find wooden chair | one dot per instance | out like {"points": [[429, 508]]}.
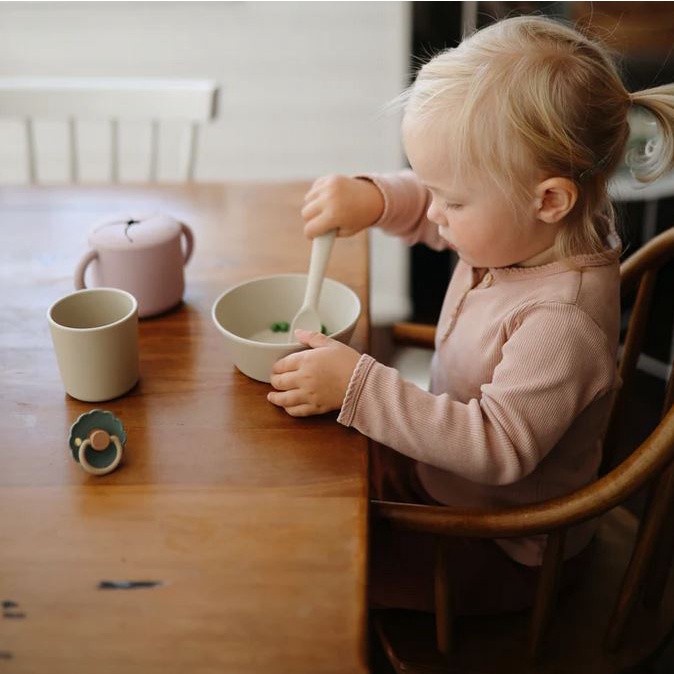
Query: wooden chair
{"points": [[623, 609], [118, 102]]}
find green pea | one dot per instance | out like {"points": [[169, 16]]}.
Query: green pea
{"points": [[284, 326]]}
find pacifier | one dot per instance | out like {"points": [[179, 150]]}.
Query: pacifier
{"points": [[97, 441]]}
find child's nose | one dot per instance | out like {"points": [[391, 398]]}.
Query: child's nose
{"points": [[434, 213]]}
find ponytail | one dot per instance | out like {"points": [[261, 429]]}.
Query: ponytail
{"points": [[649, 161]]}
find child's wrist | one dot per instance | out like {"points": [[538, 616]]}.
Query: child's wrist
{"points": [[376, 200]]}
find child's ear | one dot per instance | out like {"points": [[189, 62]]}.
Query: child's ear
{"points": [[555, 197]]}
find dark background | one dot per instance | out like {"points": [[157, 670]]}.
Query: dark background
{"points": [[642, 35]]}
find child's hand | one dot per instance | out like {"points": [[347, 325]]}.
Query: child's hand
{"points": [[342, 203], [315, 381]]}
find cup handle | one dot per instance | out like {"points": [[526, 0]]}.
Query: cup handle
{"points": [[82, 268], [81, 455], [189, 242]]}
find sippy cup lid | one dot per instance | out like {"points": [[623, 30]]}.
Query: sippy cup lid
{"points": [[134, 231]]}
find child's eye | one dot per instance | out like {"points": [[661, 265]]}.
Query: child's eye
{"points": [[452, 206]]}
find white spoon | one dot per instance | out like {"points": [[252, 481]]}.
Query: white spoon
{"points": [[307, 317]]}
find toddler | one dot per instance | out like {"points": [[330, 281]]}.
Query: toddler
{"points": [[511, 137]]}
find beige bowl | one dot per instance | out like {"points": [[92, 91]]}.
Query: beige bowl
{"points": [[245, 313]]}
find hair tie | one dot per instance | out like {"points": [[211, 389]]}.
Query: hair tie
{"points": [[593, 170]]}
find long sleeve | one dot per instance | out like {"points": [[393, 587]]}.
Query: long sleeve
{"points": [[554, 362], [406, 201]]}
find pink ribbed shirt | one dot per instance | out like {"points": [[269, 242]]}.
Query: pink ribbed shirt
{"points": [[522, 379]]}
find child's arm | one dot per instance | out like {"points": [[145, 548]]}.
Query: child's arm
{"points": [[554, 364], [396, 202], [406, 202], [342, 203], [315, 381]]}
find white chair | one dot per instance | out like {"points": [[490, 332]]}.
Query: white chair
{"points": [[75, 101]]}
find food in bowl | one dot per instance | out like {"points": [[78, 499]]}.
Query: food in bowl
{"points": [[245, 313], [277, 333]]}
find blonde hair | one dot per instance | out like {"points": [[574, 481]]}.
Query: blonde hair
{"points": [[528, 95]]}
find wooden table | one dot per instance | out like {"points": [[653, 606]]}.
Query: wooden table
{"points": [[254, 522]]}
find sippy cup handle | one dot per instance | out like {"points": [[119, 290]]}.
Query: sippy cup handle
{"points": [[189, 242], [82, 268]]}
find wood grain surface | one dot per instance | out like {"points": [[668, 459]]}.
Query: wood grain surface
{"points": [[252, 522]]}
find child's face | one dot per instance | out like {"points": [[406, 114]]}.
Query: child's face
{"points": [[472, 215]]}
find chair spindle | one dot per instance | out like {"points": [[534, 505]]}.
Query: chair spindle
{"points": [[31, 153], [73, 154], [191, 154], [662, 506], [154, 151], [444, 619], [547, 590], [642, 560], [630, 356], [638, 323], [114, 150], [669, 391]]}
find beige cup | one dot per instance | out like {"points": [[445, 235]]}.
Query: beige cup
{"points": [[95, 336]]}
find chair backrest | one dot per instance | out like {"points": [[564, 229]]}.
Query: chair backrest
{"points": [[638, 276], [75, 101]]}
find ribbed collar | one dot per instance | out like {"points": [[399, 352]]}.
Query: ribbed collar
{"points": [[609, 257]]}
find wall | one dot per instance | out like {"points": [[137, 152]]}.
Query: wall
{"points": [[303, 84]]}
